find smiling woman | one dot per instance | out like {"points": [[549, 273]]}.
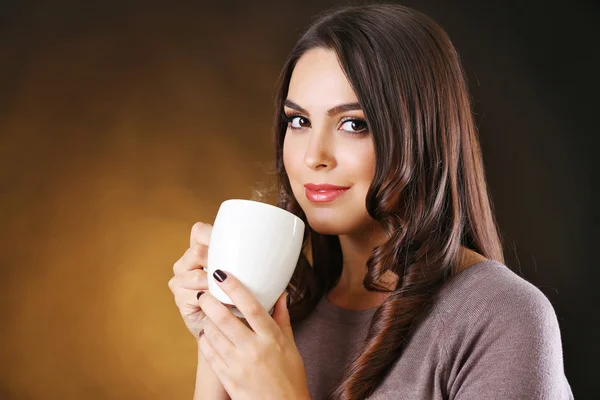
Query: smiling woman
{"points": [[407, 294], [401, 291]]}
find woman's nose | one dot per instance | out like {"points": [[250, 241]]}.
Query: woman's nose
{"points": [[319, 153]]}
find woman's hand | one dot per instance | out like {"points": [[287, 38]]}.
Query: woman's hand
{"points": [[189, 277], [188, 280], [258, 363]]}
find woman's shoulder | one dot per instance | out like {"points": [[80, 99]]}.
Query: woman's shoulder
{"points": [[496, 324], [489, 295], [490, 285]]}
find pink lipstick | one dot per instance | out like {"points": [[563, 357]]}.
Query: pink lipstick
{"points": [[323, 193]]}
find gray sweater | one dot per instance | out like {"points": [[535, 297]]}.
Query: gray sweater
{"points": [[490, 335]]}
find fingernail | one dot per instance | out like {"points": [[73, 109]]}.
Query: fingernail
{"points": [[287, 301], [220, 275], [201, 333], [200, 293]]}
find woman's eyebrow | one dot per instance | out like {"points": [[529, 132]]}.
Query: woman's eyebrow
{"points": [[340, 108]]}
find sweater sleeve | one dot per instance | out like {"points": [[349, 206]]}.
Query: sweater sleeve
{"points": [[511, 350]]}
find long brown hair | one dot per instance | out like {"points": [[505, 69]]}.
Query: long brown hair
{"points": [[429, 190]]}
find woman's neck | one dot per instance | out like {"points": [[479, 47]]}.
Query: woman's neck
{"points": [[349, 292]]}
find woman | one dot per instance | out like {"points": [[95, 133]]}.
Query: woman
{"points": [[401, 291]]}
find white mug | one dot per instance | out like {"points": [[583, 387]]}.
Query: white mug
{"points": [[259, 244]]}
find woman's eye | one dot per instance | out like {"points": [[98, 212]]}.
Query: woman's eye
{"points": [[298, 122], [354, 125]]}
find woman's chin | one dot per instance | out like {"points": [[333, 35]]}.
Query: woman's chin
{"points": [[328, 225]]}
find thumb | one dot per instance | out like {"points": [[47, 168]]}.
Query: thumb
{"points": [[282, 316]]}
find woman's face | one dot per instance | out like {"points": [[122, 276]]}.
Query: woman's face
{"points": [[327, 144]]}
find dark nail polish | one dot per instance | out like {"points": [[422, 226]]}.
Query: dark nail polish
{"points": [[287, 301], [220, 275], [200, 293], [201, 333]]}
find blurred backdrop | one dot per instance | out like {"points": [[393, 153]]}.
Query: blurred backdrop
{"points": [[122, 123]]}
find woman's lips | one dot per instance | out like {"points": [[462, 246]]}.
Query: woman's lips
{"points": [[324, 196]]}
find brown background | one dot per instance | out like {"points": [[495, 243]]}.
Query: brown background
{"points": [[123, 123]]}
